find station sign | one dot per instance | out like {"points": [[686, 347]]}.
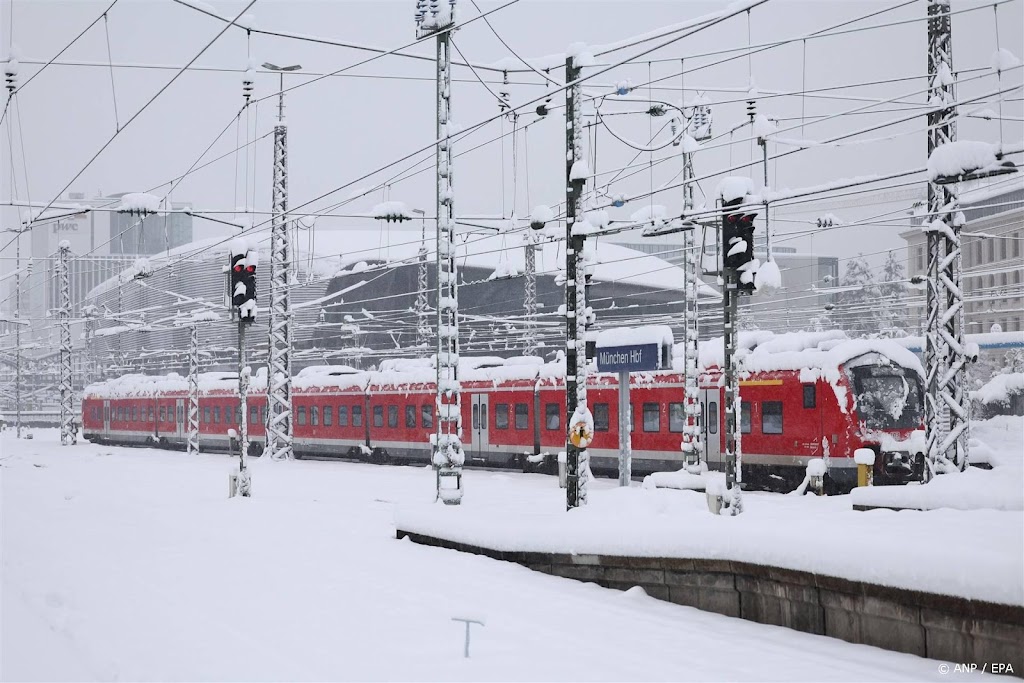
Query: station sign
{"points": [[632, 358]]}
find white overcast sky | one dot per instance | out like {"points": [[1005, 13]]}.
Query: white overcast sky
{"points": [[342, 128]]}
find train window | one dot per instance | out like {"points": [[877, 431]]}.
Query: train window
{"points": [[378, 416], [254, 414], [229, 415], [357, 416], [676, 417], [206, 415], [745, 417], [552, 415], [601, 417], [522, 416], [501, 416], [410, 417], [652, 417], [427, 416], [328, 417], [771, 417], [135, 414], [712, 417], [810, 396], [476, 416], [302, 415], [343, 416], [163, 413], [152, 413], [314, 416], [392, 416]]}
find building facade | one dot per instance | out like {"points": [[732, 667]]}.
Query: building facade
{"points": [[993, 258]]}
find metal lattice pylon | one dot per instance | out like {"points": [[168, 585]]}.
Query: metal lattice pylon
{"points": [[279, 367], [575, 292], [448, 456], [193, 389], [422, 305], [530, 294], [947, 407], [67, 419], [691, 444]]}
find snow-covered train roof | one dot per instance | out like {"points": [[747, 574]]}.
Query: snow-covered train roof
{"points": [[814, 354]]}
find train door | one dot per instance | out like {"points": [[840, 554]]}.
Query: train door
{"points": [[179, 417], [711, 423], [479, 444], [106, 417]]}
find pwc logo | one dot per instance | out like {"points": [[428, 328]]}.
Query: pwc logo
{"points": [[65, 226]]}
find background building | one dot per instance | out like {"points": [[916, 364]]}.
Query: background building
{"points": [[993, 265]]}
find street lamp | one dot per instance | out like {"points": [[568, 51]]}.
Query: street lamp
{"points": [[280, 92]]}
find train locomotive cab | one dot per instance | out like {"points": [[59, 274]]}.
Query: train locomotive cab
{"points": [[888, 403]]}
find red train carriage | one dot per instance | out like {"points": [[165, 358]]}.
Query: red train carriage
{"points": [[802, 396]]}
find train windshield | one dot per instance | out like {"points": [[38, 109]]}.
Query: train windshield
{"points": [[887, 397]]}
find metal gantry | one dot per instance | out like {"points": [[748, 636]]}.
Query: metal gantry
{"points": [[575, 294], [68, 433], [691, 444], [947, 407], [193, 390], [437, 18], [279, 365]]}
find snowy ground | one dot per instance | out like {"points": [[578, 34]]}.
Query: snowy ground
{"points": [[132, 564]]}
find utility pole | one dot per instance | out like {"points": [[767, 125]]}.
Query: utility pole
{"points": [[68, 433], [11, 81], [193, 389], [575, 296], [242, 279], [737, 250], [691, 444], [946, 442], [17, 335], [436, 17], [279, 352]]}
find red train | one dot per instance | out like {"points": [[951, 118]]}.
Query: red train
{"points": [[803, 396]]}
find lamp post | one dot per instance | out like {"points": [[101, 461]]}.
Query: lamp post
{"points": [[279, 365]]}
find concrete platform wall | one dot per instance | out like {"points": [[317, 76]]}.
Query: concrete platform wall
{"points": [[944, 627]]}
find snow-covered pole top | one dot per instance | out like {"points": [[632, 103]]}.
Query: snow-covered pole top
{"points": [[240, 246], [732, 188]]}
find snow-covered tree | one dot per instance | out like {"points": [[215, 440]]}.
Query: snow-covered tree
{"points": [[890, 311], [856, 307]]}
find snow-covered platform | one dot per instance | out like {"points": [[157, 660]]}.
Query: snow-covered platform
{"points": [[943, 584]]}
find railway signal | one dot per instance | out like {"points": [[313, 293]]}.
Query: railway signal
{"points": [[243, 283], [738, 239]]}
